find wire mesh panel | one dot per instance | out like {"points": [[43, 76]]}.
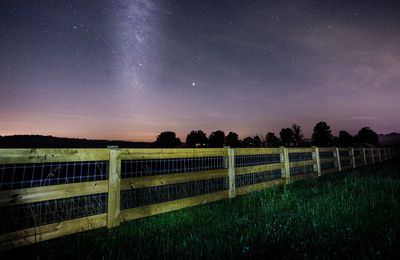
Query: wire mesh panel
{"points": [[27, 175], [46, 212], [357, 152], [359, 161], [258, 177], [140, 168], [328, 165], [258, 159], [145, 196], [297, 157], [324, 155], [344, 153], [298, 170]]}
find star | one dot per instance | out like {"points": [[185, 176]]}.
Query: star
{"points": [[193, 84]]}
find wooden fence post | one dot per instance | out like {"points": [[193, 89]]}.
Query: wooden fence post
{"points": [[379, 154], [353, 157], [114, 180], [285, 152], [318, 160], [365, 158], [372, 155], [231, 173], [338, 159]]}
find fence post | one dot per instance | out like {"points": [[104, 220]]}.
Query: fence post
{"points": [[318, 160], [365, 158], [231, 172], [379, 154], [285, 152], [384, 153], [353, 157], [114, 180], [372, 155], [338, 159]]}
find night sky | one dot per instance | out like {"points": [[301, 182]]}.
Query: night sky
{"points": [[131, 69]]}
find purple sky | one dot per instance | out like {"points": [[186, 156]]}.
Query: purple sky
{"points": [[131, 69]]}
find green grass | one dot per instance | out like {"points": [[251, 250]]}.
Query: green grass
{"points": [[352, 214]]}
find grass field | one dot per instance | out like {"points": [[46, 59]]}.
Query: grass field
{"points": [[352, 214]]}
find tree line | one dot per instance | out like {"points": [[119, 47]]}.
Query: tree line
{"points": [[289, 137]]}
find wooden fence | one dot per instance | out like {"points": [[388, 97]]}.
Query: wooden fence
{"points": [[48, 193]]}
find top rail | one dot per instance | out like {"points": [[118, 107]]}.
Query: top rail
{"points": [[167, 153], [9, 156], [256, 151]]}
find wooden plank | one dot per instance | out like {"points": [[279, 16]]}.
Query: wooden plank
{"points": [[231, 172], [9, 156], [259, 168], [304, 176], [256, 151], [46, 232], [302, 163], [329, 171], [258, 186], [166, 179], [43, 193], [301, 150], [325, 160], [327, 149], [114, 190], [155, 209], [168, 153]]}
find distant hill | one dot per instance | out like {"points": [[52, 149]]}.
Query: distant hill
{"points": [[40, 141], [392, 139]]}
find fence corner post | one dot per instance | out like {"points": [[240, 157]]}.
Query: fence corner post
{"points": [[114, 180], [353, 157], [318, 159], [285, 152], [230, 164]]}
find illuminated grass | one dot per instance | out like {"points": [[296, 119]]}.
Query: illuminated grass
{"points": [[351, 214]]}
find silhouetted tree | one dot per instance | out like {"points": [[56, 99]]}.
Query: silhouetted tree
{"points": [[297, 135], [287, 136], [257, 141], [367, 136], [247, 142], [322, 135], [232, 139], [345, 139], [167, 139], [216, 139], [196, 138], [271, 139]]}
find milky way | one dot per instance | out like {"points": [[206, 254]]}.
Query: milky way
{"points": [[131, 69]]}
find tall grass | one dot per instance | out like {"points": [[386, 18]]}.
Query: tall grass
{"points": [[349, 214]]}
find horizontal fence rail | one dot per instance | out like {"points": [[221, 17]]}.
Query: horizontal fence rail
{"points": [[49, 193]]}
